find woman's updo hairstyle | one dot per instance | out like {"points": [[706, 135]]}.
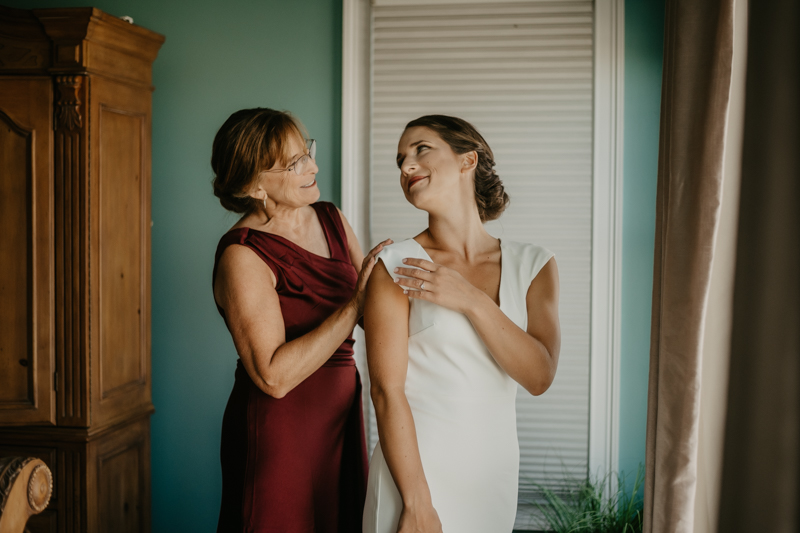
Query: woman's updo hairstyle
{"points": [[463, 137], [250, 141]]}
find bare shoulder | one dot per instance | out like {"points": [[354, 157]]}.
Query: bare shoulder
{"points": [[380, 280], [238, 256], [545, 284], [240, 267], [383, 292]]}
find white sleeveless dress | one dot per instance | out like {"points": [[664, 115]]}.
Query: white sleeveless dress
{"points": [[463, 406]]}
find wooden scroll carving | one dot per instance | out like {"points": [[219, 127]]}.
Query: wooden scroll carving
{"points": [[25, 488], [68, 103]]}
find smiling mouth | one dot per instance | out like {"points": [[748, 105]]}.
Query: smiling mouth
{"points": [[307, 185], [415, 180]]}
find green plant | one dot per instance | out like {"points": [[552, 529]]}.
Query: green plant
{"points": [[593, 505]]}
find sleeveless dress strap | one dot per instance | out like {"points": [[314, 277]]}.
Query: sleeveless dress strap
{"points": [[245, 237], [393, 255], [334, 230], [234, 236]]}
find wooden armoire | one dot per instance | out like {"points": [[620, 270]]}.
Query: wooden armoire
{"points": [[75, 387]]}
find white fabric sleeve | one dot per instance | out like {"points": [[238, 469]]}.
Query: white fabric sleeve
{"points": [[393, 255]]}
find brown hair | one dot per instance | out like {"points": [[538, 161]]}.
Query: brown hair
{"points": [[250, 141], [462, 137]]}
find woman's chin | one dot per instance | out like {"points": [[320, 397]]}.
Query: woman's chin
{"points": [[311, 193], [424, 202]]}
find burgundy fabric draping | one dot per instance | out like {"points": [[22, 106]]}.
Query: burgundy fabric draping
{"points": [[698, 50], [761, 464]]}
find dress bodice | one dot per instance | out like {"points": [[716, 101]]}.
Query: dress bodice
{"points": [[310, 287], [446, 354]]}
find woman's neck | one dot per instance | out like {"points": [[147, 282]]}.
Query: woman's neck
{"points": [[279, 219], [460, 232]]}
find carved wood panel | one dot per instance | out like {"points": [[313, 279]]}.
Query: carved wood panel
{"points": [[26, 337], [119, 482], [120, 249], [71, 291], [121, 270], [17, 371]]}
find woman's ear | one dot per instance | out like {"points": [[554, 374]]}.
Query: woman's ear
{"points": [[258, 192], [469, 161]]}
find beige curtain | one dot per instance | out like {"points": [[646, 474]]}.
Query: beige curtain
{"points": [[698, 50], [761, 466], [719, 313]]}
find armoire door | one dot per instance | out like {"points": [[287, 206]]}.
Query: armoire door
{"points": [[120, 248], [26, 243]]}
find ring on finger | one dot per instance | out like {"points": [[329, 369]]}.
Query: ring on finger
{"points": [[422, 286]]}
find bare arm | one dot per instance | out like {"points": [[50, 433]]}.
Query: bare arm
{"points": [[245, 289], [386, 327], [357, 256], [529, 356]]}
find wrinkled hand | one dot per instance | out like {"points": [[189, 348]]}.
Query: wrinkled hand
{"points": [[366, 269], [436, 283], [424, 520]]}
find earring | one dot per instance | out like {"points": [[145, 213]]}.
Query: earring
{"points": [[265, 204]]}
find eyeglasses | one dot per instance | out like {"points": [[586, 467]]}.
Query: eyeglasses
{"points": [[299, 166]]}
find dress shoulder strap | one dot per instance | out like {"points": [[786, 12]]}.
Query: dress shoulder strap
{"points": [[235, 236], [393, 254], [260, 243], [332, 225], [526, 260]]}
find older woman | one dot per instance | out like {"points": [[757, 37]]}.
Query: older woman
{"points": [[286, 282], [454, 320]]}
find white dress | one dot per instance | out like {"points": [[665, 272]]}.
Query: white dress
{"points": [[463, 406]]}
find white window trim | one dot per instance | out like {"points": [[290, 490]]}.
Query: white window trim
{"points": [[606, 200]]}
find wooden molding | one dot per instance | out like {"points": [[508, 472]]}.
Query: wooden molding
{"points": [[24, 47], [121, 49]]}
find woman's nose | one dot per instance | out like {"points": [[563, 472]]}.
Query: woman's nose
{"points": [[408, 165]]}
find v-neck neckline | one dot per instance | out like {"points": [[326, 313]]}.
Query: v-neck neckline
{"points": [[502, 268], [296, 246]]}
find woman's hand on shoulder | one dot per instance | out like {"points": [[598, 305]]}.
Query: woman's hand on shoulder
{"points": [[359, 297], [363, 264], [420, 519], [436, 283]]}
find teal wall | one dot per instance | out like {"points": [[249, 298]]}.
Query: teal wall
{"points": [[220, 57], [644, 36]]}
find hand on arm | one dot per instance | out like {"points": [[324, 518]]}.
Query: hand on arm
{"points": [[386, 321], [529, 356], [363, 265]]}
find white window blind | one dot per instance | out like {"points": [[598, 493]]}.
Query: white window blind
{"points": [[522, 73]]}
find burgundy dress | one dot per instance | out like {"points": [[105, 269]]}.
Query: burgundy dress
{"points": [[299, 463]]}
